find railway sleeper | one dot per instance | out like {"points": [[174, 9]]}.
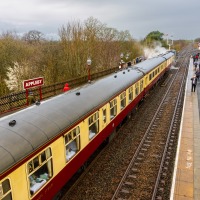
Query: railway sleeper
{"points": [[174, 130], [166, 163], [134, 170], [136, 163], [139, 158], [143, 149], [125, 191], [159, 198], [164, 174], [155, 125], [168, 158], [132, 176], [162, 143], [128, 183], [162, 182], [165, 168], [141, 154], [170, 143], [161, 189]]}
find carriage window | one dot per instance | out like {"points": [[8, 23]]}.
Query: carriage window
{"points": [[122, 100], [5, 190], [104, 116], [130, 94], [72, 143], [141, 85], [136, 89], [113, 108], [36, 162], [40, 170], [93, 122], [150, 77]]}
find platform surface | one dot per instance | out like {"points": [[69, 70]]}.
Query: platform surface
{"points": [[186, 180]]}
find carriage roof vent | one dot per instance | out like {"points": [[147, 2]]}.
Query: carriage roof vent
{"points": [[123, 72], [115, 76], [78, 93], [37, 103], [12, 123]]}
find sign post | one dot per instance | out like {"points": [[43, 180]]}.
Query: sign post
{"points": [[27, 84]]}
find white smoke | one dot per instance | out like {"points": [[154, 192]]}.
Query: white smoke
{"points": [[152, 52]]}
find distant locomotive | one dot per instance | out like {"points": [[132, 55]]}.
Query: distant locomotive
{"points": [[42, 147]]}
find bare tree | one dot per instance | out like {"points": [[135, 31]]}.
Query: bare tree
{"points": [[33, 37]]}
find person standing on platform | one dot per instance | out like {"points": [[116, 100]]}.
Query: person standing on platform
{"points": [[194, 58], [195, 66], [197, 57], [194, 83], [197, 74]]}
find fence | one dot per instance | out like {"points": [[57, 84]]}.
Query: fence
{"points": [[18, 100]]}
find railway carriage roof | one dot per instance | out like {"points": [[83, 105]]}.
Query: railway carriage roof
{"points": [[37, 125], [151, 63]]}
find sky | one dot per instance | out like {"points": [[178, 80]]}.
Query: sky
{"points": [[177, 18]]}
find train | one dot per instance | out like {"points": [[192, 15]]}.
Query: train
{"points": [[44, 145]]}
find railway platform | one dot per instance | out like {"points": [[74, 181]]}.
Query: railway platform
{"points": [[186, 180]]}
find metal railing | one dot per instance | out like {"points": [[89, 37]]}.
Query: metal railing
{"points": [[19, 100]]}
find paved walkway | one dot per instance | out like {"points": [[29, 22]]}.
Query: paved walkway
{"points": [[186, 182]]}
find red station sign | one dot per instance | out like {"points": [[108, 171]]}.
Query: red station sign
{"points": [[33, 83]]}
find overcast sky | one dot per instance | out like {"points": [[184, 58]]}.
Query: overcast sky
{"points": [[177, 18]]}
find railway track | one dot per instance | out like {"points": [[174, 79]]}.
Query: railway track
{"points": [[149, 177], [149, 166]]}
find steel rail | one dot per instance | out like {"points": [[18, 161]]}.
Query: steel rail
{"points": [[143, 139]]}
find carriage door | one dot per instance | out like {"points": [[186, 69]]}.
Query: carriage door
{"points": [[104, 117], [145, 84]]}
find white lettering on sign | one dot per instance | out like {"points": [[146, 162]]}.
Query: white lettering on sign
{"points": [[188, 165], [189, 159], [33, 83]]}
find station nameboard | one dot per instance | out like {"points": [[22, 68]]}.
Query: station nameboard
{"points": [[33, 83]]}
